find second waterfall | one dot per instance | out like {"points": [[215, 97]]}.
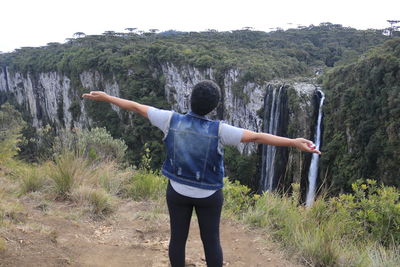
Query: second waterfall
{"points": [[313, 171], [275, 108]]}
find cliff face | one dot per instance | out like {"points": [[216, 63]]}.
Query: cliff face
{"points": [[51, 97]]}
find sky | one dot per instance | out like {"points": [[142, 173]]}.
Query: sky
{"points": [[38, 22]]}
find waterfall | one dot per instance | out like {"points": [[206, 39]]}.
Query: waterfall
{"points": [[313, 171], [272, 113]]}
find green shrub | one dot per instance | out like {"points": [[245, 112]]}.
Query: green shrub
{"points": [[236, 197], [37, 143], [96, 144], [146, 185], [11, 123], [375, 210]]}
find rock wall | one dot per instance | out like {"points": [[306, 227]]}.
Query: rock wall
{"points": [[48, 97]]}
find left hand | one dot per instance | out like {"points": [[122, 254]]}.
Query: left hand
{"points": [[96, 95], [305, 145]]}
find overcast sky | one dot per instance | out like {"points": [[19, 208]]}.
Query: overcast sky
{"points": [[38, 22]]}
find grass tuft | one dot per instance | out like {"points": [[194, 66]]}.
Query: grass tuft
{"points": [[32, 180], [382, 257], [99, 202], [2, 245], [69, 171]]}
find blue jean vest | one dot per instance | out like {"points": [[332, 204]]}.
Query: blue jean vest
{"points": [[193, 155]]}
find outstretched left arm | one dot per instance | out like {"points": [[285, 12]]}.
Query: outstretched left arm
{"points": [[120, 102]]}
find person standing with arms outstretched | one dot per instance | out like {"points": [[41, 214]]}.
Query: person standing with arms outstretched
{"points": [[194, 164]]}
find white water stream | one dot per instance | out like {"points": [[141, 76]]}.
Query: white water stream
{"points": [[313, 172], [269, 152]]}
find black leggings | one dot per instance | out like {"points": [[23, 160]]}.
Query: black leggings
{"points": [[208, 212]]}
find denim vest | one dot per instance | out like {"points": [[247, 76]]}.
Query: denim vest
{"points": [[193, 155]]}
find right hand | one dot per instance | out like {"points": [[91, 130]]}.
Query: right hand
{"points": [[96, 95], [305, 145]]}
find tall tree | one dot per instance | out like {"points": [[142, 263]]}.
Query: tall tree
{"points": [[79, 34], [393, 27]]}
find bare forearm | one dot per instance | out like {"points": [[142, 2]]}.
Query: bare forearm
{"points": [[269, 139], [129, 105]]}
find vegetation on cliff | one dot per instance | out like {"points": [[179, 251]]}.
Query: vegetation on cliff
{"points": [[262, 56], [362, 119]]}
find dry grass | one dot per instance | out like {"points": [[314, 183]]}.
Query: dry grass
{"points": [[69, 171], [2, 245], [96, 201]]}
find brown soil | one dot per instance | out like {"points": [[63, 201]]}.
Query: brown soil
{"points": [[56, 234]]}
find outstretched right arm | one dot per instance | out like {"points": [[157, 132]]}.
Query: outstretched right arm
{"points": [[269, 139]]}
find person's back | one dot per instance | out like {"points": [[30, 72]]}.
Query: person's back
{"points": [[193, 153]]}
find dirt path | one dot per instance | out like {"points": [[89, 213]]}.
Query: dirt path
{"points": [[56, 235]]}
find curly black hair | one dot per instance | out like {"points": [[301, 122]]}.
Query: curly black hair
{"points": [[205, 97]]}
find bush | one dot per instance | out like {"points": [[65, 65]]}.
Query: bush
{"points": [[96, 144], [11, 123], [146, 185], [37, 143], [376, 211], [236, 197]]}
